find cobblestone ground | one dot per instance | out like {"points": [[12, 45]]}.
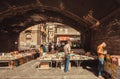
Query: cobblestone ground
{"points": [[29, 71]]}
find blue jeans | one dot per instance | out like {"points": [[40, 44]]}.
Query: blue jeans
{"points": [[101, 66], [67, 61]]}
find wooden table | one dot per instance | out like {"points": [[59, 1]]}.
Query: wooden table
{"points": [[15, 60], [60, 59], [44, 61]]}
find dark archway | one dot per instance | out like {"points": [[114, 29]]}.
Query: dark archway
{"points": [[15, 16], [13, 25]]}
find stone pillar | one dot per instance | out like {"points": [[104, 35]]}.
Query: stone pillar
{"points": [[86, 40], [108, 32], [14, 40], [8, 42]]}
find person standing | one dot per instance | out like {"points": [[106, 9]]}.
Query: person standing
{"points": [[67, 51], [101, 55], [44, 49], [41, 50], [49, 47]]}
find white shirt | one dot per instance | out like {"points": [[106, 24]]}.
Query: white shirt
{"points": [[67, 48]]}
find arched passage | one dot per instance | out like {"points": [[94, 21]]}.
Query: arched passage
{"points": [[17, 16], [12, 26]]}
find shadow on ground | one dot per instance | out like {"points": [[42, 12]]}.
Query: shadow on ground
{"points": [[92, 65]]}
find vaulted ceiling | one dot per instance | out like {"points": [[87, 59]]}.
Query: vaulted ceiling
{"points": [[16, 15]]}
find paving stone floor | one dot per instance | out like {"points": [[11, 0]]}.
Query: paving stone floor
{"points": [[29, 71]]}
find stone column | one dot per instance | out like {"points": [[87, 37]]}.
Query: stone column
{"points": [[8, 42]]}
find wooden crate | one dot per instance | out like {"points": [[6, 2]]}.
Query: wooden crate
{"points": [[44, 65]]}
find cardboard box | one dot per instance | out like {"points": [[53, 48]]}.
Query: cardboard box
{"points": [[69, 66], [44, 65]]}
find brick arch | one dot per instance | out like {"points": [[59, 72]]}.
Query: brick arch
{"points": [[14, 24]]}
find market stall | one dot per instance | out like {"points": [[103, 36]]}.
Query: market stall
{"points": [[13, 59], [58, 58]]}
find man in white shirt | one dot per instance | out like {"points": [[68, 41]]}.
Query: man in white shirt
{"points": [[67, 50]]}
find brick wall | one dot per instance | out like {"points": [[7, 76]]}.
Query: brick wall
{"points": [[7, 42], [108, 32]]}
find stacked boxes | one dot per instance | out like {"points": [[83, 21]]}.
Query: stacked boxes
{"points": [[115, 71], [116, 59], [113, 67], [107, 67]]}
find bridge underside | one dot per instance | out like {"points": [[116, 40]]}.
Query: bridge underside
{"points": [[16, 16]]}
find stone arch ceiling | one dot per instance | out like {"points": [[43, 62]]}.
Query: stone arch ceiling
{"points": [[16, 15]]}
